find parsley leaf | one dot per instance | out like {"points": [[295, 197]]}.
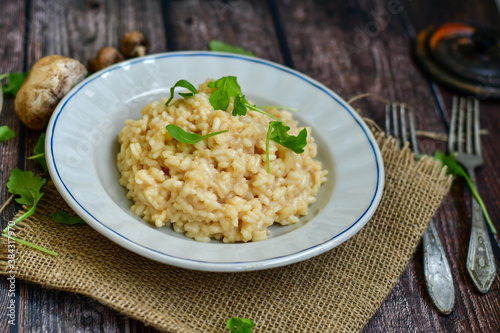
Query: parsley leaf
{"points": [[39, 152], [191, 138], [240, 325], [15, 82], [279, 135], [239, 106], [64, 218], [277, 132], [227, 87], [27, 186], [6, 133], [183, 84], [217, 45], [455, 169]]}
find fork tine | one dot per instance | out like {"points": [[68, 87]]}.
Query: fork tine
{"points": [[453, 124], [395, 124], [477, 135], [402, 123], [460, 132], [388, 119], [468, 128], [413, 132]]}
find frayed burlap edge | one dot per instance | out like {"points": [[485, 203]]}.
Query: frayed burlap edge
{"points": [[338, 291]]}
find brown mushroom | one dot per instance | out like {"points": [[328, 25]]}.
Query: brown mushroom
{"points": [[48, 81], [106, 57], [134, 44]]}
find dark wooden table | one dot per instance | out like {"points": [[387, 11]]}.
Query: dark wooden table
{"points": [[351, 46]]}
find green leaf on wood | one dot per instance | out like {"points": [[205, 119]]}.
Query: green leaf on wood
{"points": [[6, 133], [217, 45], [15, 82]]}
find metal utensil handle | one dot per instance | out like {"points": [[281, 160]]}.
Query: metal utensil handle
{"points": [[437, 271], [480, 260]]}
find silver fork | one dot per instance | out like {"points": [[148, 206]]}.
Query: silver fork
{"points": [[467, 146], [437, 271]]}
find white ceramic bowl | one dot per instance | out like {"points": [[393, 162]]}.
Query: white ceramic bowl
{"points": [[81, 148]]}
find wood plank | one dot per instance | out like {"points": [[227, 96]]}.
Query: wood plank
{"points": [[79, 30], [96, 26], [363, 47], [248, 24], [455, 216], [12, 23], [11, 60], [346, 45]]}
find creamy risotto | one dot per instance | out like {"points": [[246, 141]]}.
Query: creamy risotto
{"points": [[219, 187]]}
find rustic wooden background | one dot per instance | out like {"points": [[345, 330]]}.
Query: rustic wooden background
{"points": [[351, 46]]}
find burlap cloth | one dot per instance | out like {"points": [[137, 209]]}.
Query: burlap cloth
{"points": [[337, 291]]}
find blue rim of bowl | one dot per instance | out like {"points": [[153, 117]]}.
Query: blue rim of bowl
{"points": [[212, 265]]}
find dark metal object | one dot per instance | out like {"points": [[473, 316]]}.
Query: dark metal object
{"points": [[463, 57], [437, 272], [465, 141]]}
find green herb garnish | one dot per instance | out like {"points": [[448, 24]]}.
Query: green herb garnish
{"points": [[294, 143], [15, 82], [6, 133], [228, 87], [27, 187], [455, 169], [217, 45], [277, 132], [183, 84], [64, 218], [39, 152], [240, 325], [190, 138]]}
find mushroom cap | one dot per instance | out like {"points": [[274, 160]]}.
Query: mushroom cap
{"points": [[107, 56], [48, 81], [134, 44]]}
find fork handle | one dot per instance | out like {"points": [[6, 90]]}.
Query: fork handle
{"points": [[437, 271], [480, 260]]}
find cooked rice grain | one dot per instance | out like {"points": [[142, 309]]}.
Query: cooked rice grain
{"points": [[219, 187]]}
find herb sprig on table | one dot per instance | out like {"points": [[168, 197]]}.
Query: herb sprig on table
{"points": [[227, 87], [26, 189], [39, 153], [63, 217], [6, 133], [15, 82], [240, 325], [217, 45], [457, 170]]}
